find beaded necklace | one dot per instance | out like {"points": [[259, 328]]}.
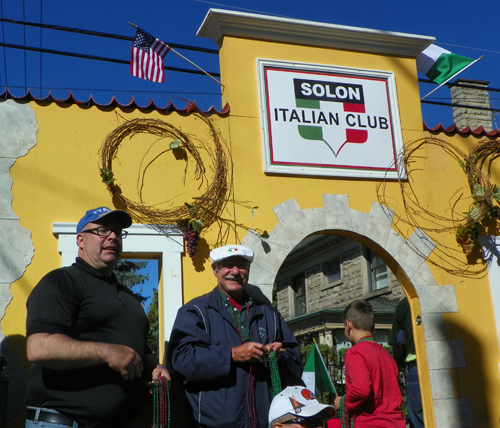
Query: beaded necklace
{"points": [[365, 338], [347, 421], [275, 373], [251, 410], [161, 403]]}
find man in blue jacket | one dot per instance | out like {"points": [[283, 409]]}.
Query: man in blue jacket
{"points": [[220, 343]]}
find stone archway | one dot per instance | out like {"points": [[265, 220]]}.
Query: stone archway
{"points": [[409, 256]]}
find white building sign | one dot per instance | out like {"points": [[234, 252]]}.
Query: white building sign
{"points": [[331, 121]]}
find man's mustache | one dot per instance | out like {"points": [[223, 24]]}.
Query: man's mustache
{"points": [[234, 278]]}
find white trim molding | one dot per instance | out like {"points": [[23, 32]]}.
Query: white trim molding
{"points": [[219, 23]]}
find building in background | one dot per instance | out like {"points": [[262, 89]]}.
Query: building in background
{"points": [[321, 276]]}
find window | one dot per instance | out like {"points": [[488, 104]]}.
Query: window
{"points": [[379, 274], [333, 271], [337, 268], [299, 290]]}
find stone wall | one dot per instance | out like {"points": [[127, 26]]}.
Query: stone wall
{"points": [[283, 301]]}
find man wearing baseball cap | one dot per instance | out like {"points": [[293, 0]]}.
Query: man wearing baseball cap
{"points": [[220, 343], [296, 407], [86, 336]]}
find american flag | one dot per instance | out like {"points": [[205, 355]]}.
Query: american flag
{"points": [[147, 57]]}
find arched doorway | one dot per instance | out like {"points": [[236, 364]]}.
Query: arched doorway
{"points": [[406, 259]]}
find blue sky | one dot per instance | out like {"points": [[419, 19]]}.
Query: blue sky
{"points": [[146, 289], [460, 26]]}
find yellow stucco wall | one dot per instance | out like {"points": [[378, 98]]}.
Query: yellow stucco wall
{"points": [[59, 179]]}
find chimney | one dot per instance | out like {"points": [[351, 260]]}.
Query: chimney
{"points": [[471, 93]]}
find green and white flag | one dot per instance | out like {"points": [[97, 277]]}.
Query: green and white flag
{"points": [[315, 375], [440, 65]]}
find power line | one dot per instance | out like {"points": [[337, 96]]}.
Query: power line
{"points": [[97, 58], [101, 34], [459, 105], [462, 85], [24, 42], [467, 47], [242, 8], [40, 72], [3, 38], [179, 46]]}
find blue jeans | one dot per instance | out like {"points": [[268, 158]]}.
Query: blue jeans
{"points": [[39, 424], [414, 399]]}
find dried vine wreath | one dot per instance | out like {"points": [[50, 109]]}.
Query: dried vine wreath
{"points": [[466, 226], [191, 217]]}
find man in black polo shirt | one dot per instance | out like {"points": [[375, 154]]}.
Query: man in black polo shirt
{"points": [[86, 336]]}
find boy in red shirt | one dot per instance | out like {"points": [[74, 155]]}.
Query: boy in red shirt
{"points": [[372, 398]]}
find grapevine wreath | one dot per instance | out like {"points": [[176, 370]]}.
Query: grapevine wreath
{"points": [[191, 217], [484, 208]]}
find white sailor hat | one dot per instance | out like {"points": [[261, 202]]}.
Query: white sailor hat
{"points": [[221, 253]]}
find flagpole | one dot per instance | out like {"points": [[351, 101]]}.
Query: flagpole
{"points": [[190, 62], [456, 74], [199, 68]]}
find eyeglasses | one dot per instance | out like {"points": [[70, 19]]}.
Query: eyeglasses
{"points": [[307, 422], [104, 232]]}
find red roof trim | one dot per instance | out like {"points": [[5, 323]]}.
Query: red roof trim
{"points": [[479, 132], [191, 107]]}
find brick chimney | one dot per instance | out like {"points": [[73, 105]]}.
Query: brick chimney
{"points": [[472, 93]]}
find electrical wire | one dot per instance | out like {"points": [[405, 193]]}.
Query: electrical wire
{"points": [[468, 47], [462, 85], [241, 8], [438, 103], [41, 46], [3, 39], [101, 34], [178, 46], [98, 58], [24, 42]]}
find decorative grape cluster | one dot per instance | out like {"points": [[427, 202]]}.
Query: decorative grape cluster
{"points": [[467, 238], [191, 238], [468, 243]]}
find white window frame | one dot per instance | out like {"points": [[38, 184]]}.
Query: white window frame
{"points": [[325, 272], [294, 292], [141, 239], [490, 246], [342, 256], [372, 276]]}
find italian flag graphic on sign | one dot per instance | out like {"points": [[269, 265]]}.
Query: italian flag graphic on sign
{"points": [[355, 136], [309, 95]]}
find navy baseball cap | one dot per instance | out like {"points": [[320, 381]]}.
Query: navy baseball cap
{"points": [[99, 213]]}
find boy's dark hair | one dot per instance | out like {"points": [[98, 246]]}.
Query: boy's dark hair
{"points": [[360, 314]]}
